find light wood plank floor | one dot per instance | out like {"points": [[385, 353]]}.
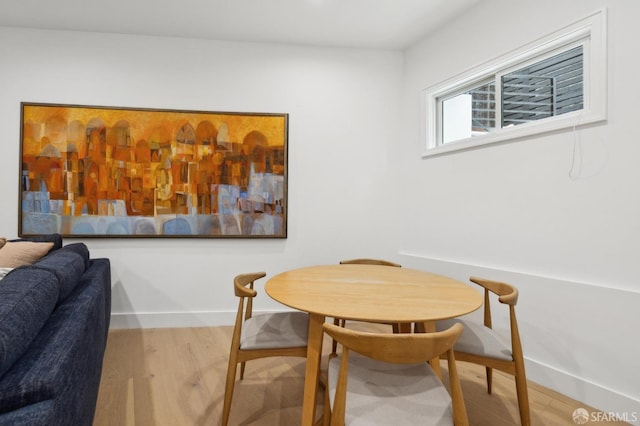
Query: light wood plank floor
{"points": [[175, 377]]}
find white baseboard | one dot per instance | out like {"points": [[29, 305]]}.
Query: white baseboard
{"points": [[614, 404], [170, 319], [173, 319]]}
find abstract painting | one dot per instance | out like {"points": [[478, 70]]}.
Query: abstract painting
{"points": [[91, 171]]}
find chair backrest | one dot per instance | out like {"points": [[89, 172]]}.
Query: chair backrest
{"points": [[240, 283], [506, 293], [400, 348], [365, 261], [243, 288], [403, 348]]}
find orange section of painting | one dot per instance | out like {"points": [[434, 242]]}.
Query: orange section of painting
{"points": [[143, 123]]}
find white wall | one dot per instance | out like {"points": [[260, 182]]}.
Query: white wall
{"points": [[343, 107], [512, 212]]}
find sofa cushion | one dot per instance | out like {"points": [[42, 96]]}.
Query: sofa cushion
{"points": [[20, 253], [81, 249], [27, 298], [64, 362], [68, 264]]}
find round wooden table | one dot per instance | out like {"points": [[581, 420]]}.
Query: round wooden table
{"points": [[365, 293]]}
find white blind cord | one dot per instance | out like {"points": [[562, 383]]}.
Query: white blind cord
{"points": [[576, 158]]}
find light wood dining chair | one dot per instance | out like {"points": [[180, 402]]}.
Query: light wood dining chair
{"points": [[363, 261], [384, 379], [260, 336], [479, 344]]}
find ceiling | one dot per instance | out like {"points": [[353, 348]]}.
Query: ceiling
{"points": [[377, 24]]}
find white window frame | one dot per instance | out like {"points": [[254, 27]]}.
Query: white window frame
{"points": [[589, 32]]}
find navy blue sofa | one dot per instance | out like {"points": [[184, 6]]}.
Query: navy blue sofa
{"points": [[54, 321]]}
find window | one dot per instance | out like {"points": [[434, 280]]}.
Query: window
{"points": [[558, 82]]}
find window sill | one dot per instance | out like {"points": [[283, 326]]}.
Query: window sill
{"points": [[570, 121]]}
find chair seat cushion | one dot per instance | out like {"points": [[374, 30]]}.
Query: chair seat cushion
{"points": [[277, 330], [478, 340], [391, 394]]}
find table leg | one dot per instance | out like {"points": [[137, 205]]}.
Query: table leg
{"points": [[404, 327], [430, 327], [312, 373]]}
